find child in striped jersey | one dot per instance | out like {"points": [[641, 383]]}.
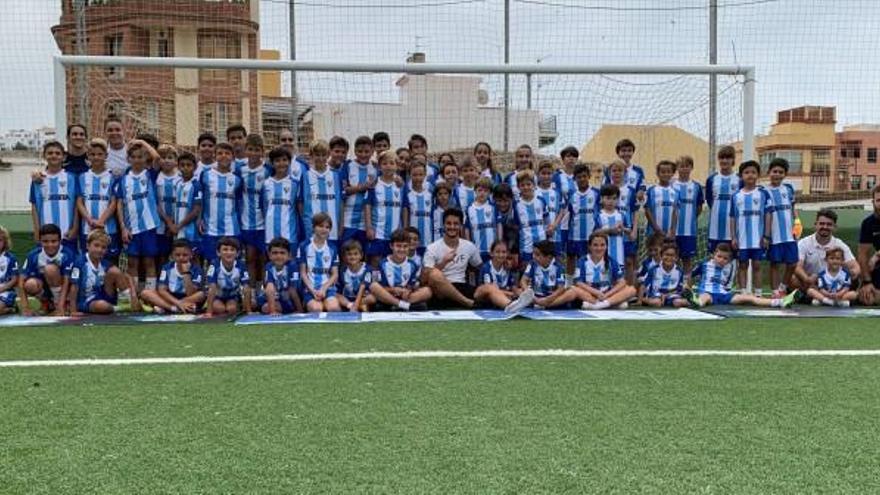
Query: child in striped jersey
{"points": [[383, 210], [449, 176], [653, 251], [321, 192], [221, 198], [188, 203], [319, 267], [53, 197], [358, 178], [664, 282], [354, 283], [628, 206], [236, 134], [398, 284], [45, 272], [228, 281], [417, 212], [834, 285], [497, 286], [254, 174], [280, 197], [690, 205], [633, 175], [564, 184], [167, 179], [661, 204], [780, 220], [522, 161], [720, 188], [555, 205], [338, 153], [531, 214], [747, 211], [95, 282], [207, 143], [600, 281], [716, 283], [180, 283], [611, 222], [483, 155], [442, 195], [96, 199], [465, 192], [281, 283], [546, 278], [481, 225], [414, 237], [138, 214], [10, 285], [583, 207]]}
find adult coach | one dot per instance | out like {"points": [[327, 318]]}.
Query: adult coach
{"points": [[446, 261], [811, 251], [869, 246]]}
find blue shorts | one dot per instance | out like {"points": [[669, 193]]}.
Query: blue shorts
{"points": [[100, 295], [144, 245], [307, 296], [113, 250], [577, 248], [750, 254], [563, 236], [721, 298], [630, 248], [8, 298], [379, 247], [559, 248], [286, 304], [687, 246], [253, 238], [226, 298], [786, 252], [356, 234], [164, 245]]}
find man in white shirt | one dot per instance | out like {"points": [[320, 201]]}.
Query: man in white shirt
{"points": [[811, 251], [446, 262], [117, 160]]}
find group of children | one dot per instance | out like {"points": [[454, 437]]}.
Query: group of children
{"points": [[238, 229]]}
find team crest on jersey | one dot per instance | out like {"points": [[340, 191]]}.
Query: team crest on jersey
{"points": [[74, 273], [326, 258], [142, 181], [286, 189], [62, 184], [105, 184]]}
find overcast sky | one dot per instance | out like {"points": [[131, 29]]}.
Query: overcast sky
{"points": [[817, 52]]}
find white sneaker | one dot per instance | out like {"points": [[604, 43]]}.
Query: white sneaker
{"points": [[623, 305], [587, 305], [843, 304], [522, 302], [816, 302]]}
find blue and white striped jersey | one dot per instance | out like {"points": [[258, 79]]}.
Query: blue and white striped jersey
{"points": [[714, 279], [582, 209], [647, 265], [137, 198], [601, 275], [171, 279], [660, 282], [354, 173], [545, 280], [165, 197], [88, 278], [229, 281], [8, 267], [37, 260], [319, 262], [202, 167], [634, 177], [321, 193], [834, 282], [463, 196], [532, 217], [564, 185], [500, 277], [55, 200], [404, 275], [387, 201], [187, 195], [252, 179], [627, 204], [221, 197], [350, 281], [419, 204], [780, 206], [279, 199], [97, 192], [747, 210], [482, 225], [690, 198], [437, 227], [554, 203], [661, 201], [719, 192], [606, 220], [284, 278]]}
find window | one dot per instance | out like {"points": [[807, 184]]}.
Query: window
{"points": [[871, 182], [219, 45], [114, 107], [855, 182], [217, 116], [113, 48], [152, 117], [794, 158], [872, 155], [161, 46]]}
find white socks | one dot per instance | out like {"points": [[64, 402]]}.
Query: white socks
{"points": [[150, 283], [403, 305]]}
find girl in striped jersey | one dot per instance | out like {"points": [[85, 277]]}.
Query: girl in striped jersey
{"points": [[180, 282], [555, 205], [398, 284], [690, 205], [497, 286], [481, 225], [583, 209], [253, 174], [96, 199], [531, 215], [138, 214], [319, 267], [383, 210], [600, 280], [417, 212], [483, 156], [716, 283], [188, 203], [720, 188], [221, 197], [53, 197], [664, 281], [166, 186], [628, 206], [611, 222], [661, 205], [354, 283], [279, 198], [321, 191]]}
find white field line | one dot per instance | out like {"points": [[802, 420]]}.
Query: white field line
{"points": [[354, 356]]}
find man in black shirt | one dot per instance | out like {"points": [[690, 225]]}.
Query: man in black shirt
{"points": [[869, 253]]}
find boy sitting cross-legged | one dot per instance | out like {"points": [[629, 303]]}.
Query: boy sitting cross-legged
{"points": [[716, 283], [228, 281], [399, 276], [281, 283], [95, 283], [180, 283]]}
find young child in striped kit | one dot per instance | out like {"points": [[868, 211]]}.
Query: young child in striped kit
{"points": [[555, 204], [280, 198], [95, 282], [254, 173], [96, 199], [530, 212], [53, 198], [221, 198], [661, 203], [748, 238], [690, 205], [664, 282], [180, 288], [628, 206], [10, 283], [358, 178], [497, 286], [481, 224], [228, 281], [281, 283], [138, 214], [715, 286], [781, 215], [383, 209], [834, 284], [465, 192], [545, 278], [188, 204], [583, 208], [398, 284], [319, 267], [720, 188], [612, 223], [321, 192], [353, 291], [45, 272], [419, 202], [600, 280], [167, 178]]}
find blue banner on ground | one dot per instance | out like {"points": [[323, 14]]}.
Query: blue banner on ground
{"points": [[619, 314], [35, 321], [795, 312]]}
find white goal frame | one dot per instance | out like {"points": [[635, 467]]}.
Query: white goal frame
{"points": [[61, 62]]}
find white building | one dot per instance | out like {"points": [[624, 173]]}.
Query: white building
{"points": [[452, 112], [31, 139]]}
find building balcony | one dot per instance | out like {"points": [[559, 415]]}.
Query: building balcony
{"points": [[547, 132]]}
